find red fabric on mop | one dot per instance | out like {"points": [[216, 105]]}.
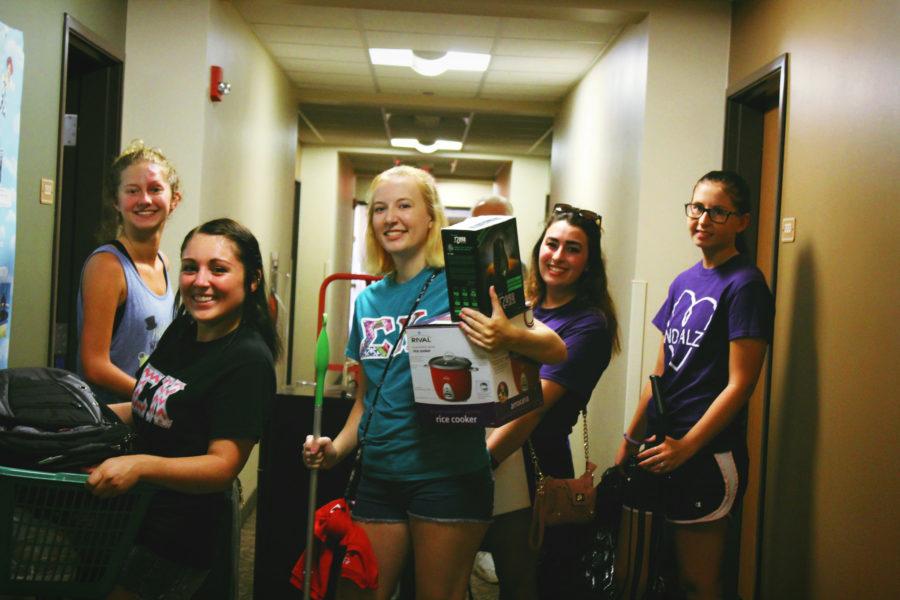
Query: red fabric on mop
{"points": [[333, 522]]}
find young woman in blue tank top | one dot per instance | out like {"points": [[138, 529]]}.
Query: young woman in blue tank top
{"points": [[424, 488], [125, 300], [716, 324]]}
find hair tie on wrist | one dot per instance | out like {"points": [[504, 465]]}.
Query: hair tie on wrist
{"points": [[631, 440]]}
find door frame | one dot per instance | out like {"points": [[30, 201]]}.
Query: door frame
{"points": [[765, 88], [74, 29]]}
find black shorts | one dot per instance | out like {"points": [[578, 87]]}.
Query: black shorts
{"points": [[706, 488]]}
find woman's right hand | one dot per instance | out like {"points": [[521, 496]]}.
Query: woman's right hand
{"points": [[319, 453]]}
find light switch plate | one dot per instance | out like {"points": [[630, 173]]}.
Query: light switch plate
{"points": [[788, 229], [47, 191]]}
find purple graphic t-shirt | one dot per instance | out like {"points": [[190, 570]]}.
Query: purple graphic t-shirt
{"points": [[704, 311], [589, 345]]}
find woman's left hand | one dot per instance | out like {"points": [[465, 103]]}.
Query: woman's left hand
{"points": [[490, 333], [665, 457], [114, 476]]}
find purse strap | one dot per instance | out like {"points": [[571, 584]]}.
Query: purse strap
{"points": [[353, 482], [538, 474]]}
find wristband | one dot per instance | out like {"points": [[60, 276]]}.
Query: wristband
{"points": [[494, 462], [631, 440]]}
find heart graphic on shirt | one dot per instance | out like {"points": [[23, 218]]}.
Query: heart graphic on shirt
{"points": [[691, 325]]}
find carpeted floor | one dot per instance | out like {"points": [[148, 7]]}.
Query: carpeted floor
{"points": [[248, 548]]}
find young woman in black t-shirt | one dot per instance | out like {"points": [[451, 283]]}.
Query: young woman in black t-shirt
{"points": [[198, 408]]}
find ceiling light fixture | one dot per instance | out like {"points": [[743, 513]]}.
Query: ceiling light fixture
{"points": [[426, 148], [451, 61]]}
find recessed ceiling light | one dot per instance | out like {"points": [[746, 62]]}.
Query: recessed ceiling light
{"points": [[451, 61], [423, 148]]}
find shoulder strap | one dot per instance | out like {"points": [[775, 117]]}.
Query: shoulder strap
{"points": [[352, 483], [394, 352], [121, 248], [120, 310], [538, 474]]}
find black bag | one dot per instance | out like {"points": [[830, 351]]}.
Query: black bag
{"points": [[621, 556], [50, 420], [594, 577]]}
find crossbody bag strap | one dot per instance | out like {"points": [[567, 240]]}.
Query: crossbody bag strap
{"points": [[538, 474], [354, 479]]}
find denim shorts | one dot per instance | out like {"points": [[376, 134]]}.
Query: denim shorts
{"points": [[466, 498]]}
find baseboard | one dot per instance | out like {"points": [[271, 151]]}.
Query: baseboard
{"points": [[249, 506]]}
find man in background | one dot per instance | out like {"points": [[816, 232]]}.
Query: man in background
{"points": [[492, 205]]}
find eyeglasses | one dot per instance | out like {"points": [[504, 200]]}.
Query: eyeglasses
{"points": [[716, 214], [578, 212]]}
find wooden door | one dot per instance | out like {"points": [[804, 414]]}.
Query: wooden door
{"points": [[765, 245], [754, 141]]}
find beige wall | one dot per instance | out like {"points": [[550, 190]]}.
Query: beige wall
{"points": [[596, 165], [236, 157], [631, 139], [42, 26], [683, 128], [166, 90], [249, 145], [831, 490], [323, 223], [529, 184], [463, 193]]}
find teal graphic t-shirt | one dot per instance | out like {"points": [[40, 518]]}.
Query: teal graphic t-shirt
{"points": [[399, 446]]}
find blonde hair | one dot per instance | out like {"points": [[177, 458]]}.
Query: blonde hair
{"points": [[378, 261], [136, 152]]}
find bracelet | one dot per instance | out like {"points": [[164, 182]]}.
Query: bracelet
{"points": [[631, 440]]}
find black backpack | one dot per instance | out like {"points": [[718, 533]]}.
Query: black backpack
{"points": [[51, 421]]}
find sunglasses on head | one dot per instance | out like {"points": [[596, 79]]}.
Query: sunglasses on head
{"points": [[588, 215]]}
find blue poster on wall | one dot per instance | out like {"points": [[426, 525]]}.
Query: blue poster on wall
{"points": [[12, 62]]}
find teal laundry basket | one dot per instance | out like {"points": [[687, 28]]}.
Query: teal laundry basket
{"points": [[57, 539]]}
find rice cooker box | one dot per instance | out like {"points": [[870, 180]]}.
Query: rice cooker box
{"points": [[480, 252], [457, 382]]}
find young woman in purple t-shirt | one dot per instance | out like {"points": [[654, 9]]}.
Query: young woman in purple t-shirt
{"points": [[716, 324], [567, 285]]}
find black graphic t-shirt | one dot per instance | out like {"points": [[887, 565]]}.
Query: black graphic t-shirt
{"points": [[705, 310], [188, 394]]}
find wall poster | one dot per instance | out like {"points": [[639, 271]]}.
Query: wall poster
{"points": [[12, 62]]}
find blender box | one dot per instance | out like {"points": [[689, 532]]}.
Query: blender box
{"points": [[480, 252], [457, 382]]}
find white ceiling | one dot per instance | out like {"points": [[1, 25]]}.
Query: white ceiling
{"points": [[344, 100]]}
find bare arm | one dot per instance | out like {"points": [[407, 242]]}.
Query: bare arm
{"points": [[506, 439], [123, 411], [745, 359], [495, 332], [637, 429], [103, 289], [323, 452], [211, 472]]}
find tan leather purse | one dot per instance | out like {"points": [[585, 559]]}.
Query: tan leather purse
{"points": [[558, 501]]}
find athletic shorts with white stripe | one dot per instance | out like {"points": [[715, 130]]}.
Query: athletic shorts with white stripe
{"points": [[706, 488]]}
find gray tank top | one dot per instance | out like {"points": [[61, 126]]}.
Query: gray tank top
{"points": [[140, 321]]}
